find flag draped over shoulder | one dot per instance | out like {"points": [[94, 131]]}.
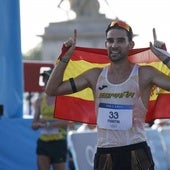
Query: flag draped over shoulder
{"points": [[80, 106]]}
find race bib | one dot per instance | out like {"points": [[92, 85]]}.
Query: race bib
{"points": [[114, 116]]}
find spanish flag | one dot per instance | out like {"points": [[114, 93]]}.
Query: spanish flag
{"points": [[79, 106]]}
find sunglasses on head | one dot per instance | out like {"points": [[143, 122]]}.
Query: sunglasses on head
{"points": [[120, 24]]}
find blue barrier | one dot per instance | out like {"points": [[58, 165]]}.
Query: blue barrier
{"points": [[164, 134], [83, 147], [155, 143], [17, 145]]}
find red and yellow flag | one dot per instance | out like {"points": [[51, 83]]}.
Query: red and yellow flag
{"points": [[80, 106]]}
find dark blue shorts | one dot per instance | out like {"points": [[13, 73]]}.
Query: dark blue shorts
{"points": [[55, 150]]}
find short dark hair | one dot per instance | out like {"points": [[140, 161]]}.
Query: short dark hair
{"points": [[119, 24]]}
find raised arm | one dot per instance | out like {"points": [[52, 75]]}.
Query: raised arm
{"points": [[157, 77], [56, 85], [156, 48]]}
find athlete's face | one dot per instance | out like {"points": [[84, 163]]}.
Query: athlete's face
{"points": [[118, 44]]}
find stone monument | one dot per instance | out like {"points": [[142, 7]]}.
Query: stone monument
{"points": [[90, 25]]}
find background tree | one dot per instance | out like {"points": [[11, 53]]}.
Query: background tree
{"points": [[34, 53]]}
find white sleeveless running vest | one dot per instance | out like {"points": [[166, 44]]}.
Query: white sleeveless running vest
{"points": [[120, 111]]}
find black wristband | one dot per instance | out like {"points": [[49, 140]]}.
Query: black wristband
{"points": [[64, 60], [73, 86], [166, 60]]}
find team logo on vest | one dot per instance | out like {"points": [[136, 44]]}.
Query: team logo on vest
{"points": [[103, 86], [125, 94]]}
